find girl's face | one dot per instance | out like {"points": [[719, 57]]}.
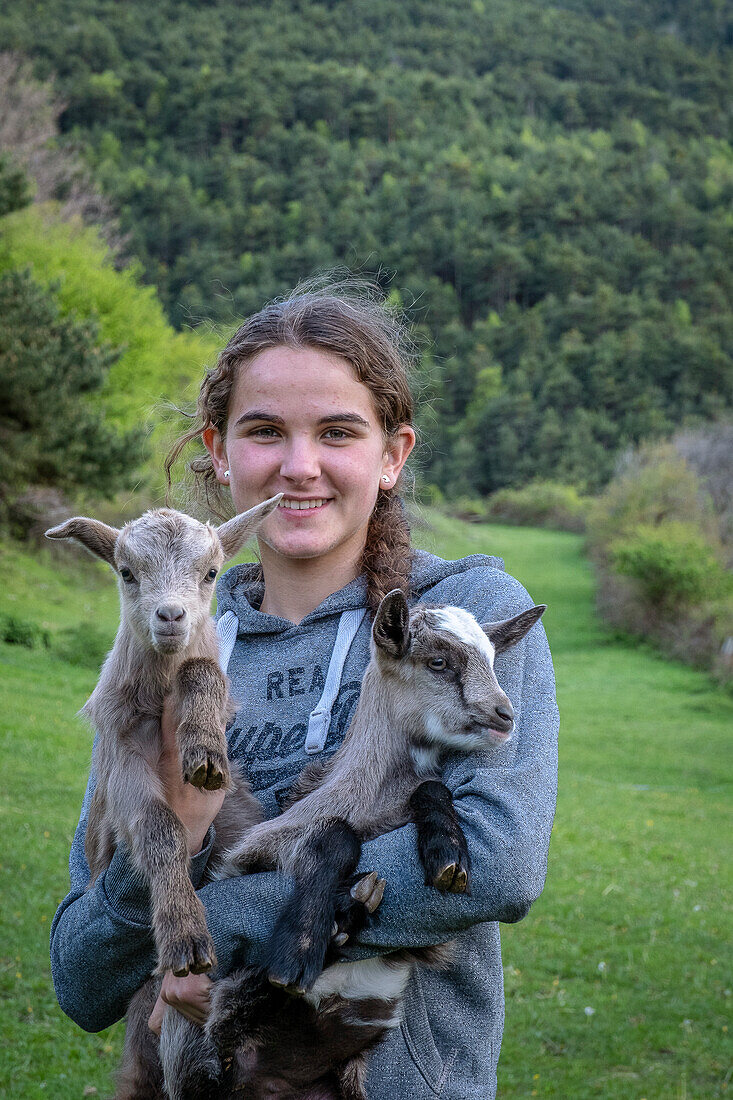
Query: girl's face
{"points": [[299, 423]]}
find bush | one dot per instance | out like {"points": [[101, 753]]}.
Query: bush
{"points": [[86, 645], [654, 538], [708, 451], [469, 509], [655, 485], [17, 631], [539, 504], [53, 434], [672, 565]]}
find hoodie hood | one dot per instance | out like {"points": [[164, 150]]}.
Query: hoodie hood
{"points": [[241, 589]]}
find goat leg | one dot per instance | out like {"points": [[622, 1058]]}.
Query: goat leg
{"points": [[140, 1076], [440, 841], [202, 705], [179, 920], [159, 849], [352, 1079], [322, 861], [191, 1066]]}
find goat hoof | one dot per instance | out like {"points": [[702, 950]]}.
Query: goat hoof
{"points": [[375, 898], [214, 778], [181, 967], [198, 777], [460, 882], [444, 878], [202, 965], [281, 983], [194, 955], [364, 888], [205, 770]]}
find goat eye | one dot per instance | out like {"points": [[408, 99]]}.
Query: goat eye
{"points": [[437, 664], [126, 575], [211, 575]]}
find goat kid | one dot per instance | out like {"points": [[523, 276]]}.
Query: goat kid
{"points": [[166, 563], [429, 689]]}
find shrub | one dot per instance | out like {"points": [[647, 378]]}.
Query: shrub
{"points": [[654, 537], [708, 450], [469, 509], [655, 485], [86, 645], [671, 563], [16, 631], [539, 504]]}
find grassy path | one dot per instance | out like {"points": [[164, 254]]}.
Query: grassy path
{"points": [[618, 983]]}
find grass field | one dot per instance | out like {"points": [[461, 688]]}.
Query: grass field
{"points": [[618, 983]]}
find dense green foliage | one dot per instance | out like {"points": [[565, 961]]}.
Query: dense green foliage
{"points": [[672, 565], [154, 362], [546, 188], [49, 435], [539, 504], [659, 541], [14, 188]]}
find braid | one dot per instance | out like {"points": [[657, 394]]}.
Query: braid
{"points": [[387, 558]]}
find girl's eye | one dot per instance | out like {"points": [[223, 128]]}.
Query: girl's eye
{"points": [[126, 575], [336, 433], [437, 664], [211, 575], [264, 433]]}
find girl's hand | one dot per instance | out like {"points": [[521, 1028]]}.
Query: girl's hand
{"points": [[190, 996], [196, 808]]}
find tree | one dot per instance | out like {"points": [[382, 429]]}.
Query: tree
{"points": [[52, 434], [14, 189]]}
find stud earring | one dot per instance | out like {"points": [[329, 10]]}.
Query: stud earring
{"points": [[226, 473], [385, 479]]}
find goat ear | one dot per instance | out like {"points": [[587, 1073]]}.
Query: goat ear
{"points": [[92, 533], [510, 631], [236, 532], [391, 629]]}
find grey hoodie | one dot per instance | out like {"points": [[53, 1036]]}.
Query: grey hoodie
{"points": [[448, 1044]]}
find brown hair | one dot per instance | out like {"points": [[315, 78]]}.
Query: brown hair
{"points": [[349, 319]]}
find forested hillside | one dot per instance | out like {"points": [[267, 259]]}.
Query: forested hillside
{"points": [[547, 189]]}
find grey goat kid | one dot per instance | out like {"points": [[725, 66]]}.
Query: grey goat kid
{"points": [[429, 689], [166, 563]]}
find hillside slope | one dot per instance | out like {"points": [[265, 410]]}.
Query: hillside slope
{"points": [[546, 188]]}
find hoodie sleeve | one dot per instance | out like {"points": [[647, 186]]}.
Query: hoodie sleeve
{"points": [[102, 947], [505, 800]]}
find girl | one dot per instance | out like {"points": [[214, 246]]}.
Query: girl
{"points": [[310, 398]]}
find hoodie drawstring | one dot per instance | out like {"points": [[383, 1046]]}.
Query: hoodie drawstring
{"points": [[227, 628]]}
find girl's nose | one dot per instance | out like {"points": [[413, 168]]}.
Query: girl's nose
{"points": [[300, 461]]}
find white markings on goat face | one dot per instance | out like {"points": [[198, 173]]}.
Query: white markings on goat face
{"points": [[461, 623], [167, 563], [464, 708]]}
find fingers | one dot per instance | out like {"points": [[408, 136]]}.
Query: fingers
{"points": [[191, 996], [155, 1021]]}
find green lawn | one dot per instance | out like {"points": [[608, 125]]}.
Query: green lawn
{"points": [[617, 982]]}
